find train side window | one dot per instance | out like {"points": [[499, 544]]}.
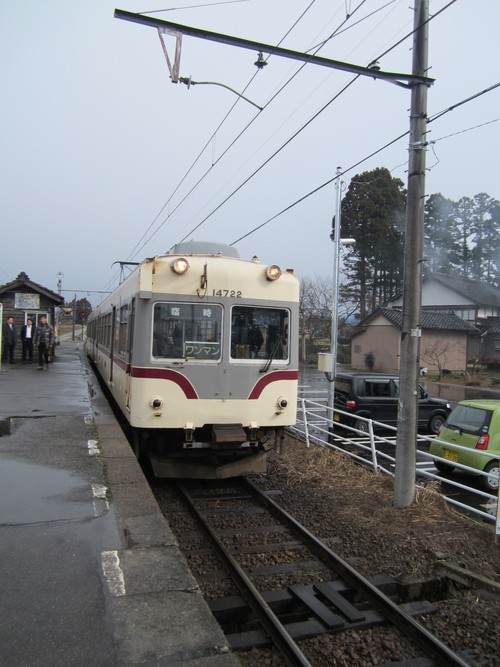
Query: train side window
{"points": [[100, 332], [260, 333], [187, 331], [123, 329]]}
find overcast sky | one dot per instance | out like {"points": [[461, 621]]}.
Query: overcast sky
{"points": [[104, 159]]}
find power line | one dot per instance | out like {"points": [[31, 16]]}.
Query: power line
{"points": [[474, 127], [301, 129], [136, 249], [459, 104], [210, 4], [256, 171], [338, 31], [248, 125], [410, 34], [312, 192], [320, 187]]}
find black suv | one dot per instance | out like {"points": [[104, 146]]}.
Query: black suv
{"points": [[375, 396]]}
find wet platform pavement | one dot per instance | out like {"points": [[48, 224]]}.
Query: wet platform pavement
{"points": [[90, 570]]}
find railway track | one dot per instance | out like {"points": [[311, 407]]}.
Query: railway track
{"points": [[287, 585]]}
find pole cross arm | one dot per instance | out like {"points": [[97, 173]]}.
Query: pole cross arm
{"points": [[405, 80]]}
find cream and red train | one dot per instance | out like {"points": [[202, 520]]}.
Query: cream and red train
{"points": [[199, 349]]}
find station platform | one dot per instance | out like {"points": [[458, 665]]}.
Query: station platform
{"points": [[91, 573]]}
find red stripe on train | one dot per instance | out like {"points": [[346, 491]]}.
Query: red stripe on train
{"points": [[271, 377], [166, 374]]}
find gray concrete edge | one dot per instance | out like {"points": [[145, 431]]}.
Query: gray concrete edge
{"points": [[158, 614]]}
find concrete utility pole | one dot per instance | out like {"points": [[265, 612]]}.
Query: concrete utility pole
{"points": [[406, 442]]}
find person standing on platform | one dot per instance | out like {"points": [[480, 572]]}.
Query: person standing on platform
{"points": [[44, 338], [9, 340], [27, 335]]}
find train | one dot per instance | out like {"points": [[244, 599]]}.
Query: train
{"points": [[199, 350]]}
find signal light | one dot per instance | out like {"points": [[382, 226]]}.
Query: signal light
{"points": [[281, 403]]}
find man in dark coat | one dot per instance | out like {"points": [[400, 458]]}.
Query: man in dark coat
{"points": [[44, 339], [27, 336], [9, 340]]}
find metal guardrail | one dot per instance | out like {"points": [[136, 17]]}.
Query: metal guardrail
{"points": [[317, 426]]}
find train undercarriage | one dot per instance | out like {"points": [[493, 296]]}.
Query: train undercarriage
{"points": [[217, 451]]}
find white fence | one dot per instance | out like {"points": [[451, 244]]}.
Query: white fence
{"points": [[316, 425]]}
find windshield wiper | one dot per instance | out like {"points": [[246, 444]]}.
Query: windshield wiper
{"points": [[271, 357]]}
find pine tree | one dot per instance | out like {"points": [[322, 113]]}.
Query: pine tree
{"points": [[373, 213], [441, 234]]}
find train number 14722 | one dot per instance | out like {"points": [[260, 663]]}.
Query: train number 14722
{"points": [[231, 293]]}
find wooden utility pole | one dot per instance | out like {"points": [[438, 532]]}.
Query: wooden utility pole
{"points": [[406, 441]]}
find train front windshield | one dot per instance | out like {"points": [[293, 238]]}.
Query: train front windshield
{"points": [[194, 331], [187, 331], [259, 333]]}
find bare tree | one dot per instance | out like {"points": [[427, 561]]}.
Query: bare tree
{"points": [[315, 308], [437, 354]]}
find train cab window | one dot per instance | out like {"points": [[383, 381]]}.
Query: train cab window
{"points": [[260, 333], [187, 331]]}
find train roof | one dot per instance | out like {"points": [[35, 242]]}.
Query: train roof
{"points": [[203, 248]]}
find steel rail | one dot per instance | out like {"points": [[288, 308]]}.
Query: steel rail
{"points": [[428, 642], [271, 624]]}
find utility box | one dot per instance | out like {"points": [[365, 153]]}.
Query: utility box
{"points": [[325, 362]]}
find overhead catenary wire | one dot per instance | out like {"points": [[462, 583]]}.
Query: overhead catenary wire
{"points": [[352, 25], [320, 187], [209, 4], [376, 152], [240, 134], [334, 33], [468, 129], [268, 160], [136, 248], [459, 104], [299, 131], [271, 157]]}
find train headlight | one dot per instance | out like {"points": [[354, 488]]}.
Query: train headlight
{"points": [[273, 272], [180, 265]]}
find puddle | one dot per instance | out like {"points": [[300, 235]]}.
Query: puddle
{"points": [[32, 494]]}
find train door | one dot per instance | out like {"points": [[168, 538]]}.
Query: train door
{"points": [[130, 348], [112, 343]]}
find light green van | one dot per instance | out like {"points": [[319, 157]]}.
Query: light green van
{"points": [[475, 425]]}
